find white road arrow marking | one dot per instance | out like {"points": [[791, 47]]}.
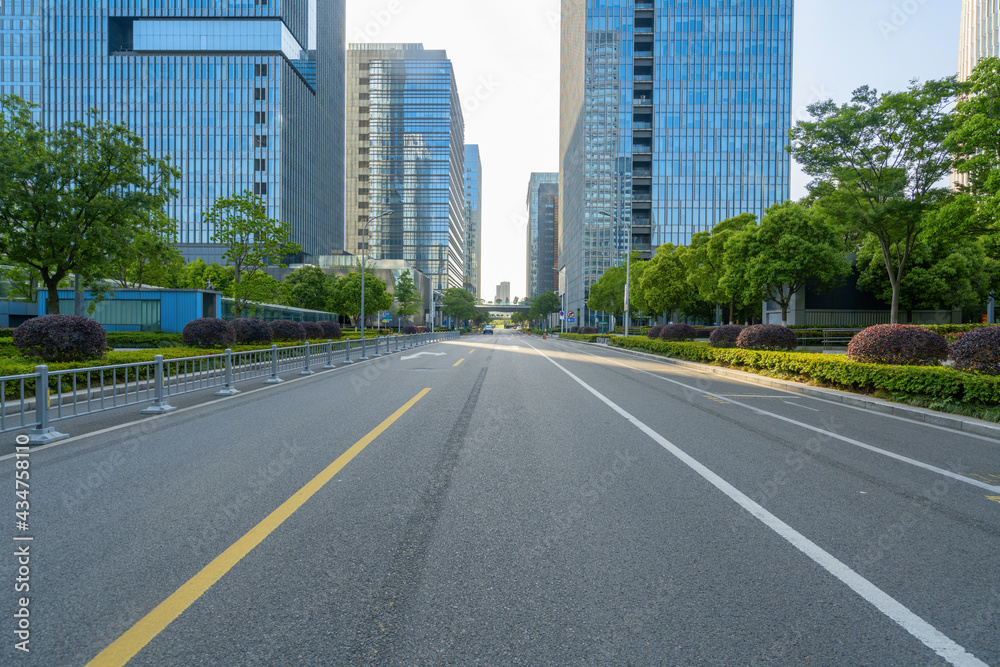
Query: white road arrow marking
{"points": [[420, 354]]}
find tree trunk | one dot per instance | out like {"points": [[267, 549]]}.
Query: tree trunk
{"points": [[236, 291], [732, 308], [52, 298], [894, 313], [784, 313]]}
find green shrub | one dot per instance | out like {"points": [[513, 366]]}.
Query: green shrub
{"points": [[313, 330], [6, 333], [331, 330], [654, 331], [898, 345], [61, 338], [141, 339], [937, 382]]}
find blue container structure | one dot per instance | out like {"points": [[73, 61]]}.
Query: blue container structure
{"points": [[166, 310]]}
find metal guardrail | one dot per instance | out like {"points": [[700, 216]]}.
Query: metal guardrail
{"points": [[83, 391]]}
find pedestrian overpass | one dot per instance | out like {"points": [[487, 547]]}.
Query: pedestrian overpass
{"points": [[505, 308]]}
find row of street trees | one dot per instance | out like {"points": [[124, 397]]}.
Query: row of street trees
{"points": [[881, 165], [87, 200]]}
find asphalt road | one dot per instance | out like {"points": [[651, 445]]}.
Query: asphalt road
{"points": [[507, 501]]}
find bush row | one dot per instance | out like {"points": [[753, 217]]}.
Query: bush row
{"points": [[835, 370]]}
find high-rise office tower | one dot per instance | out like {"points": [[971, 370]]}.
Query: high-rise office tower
{"points": [[228, 90], [542, 235], [21, 49], [674, 116], [406, 154], [980, 36], [473, 221]]}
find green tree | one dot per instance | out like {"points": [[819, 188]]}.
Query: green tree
{"points": [[73, 199], [706, 265], [790, 248], [944, 274], [664, 281], [252, 240], [975, 143], [608, 292], [879, 161], [407, 297], [544, 305], [22, 282], [308, 287], [151, 259], [458, 304], [346, 297]]}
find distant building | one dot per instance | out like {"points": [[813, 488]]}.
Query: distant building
{"points": [[406, 154], [542, 234], [674, 116], [473, 221], [503, 293], [229, 91]]}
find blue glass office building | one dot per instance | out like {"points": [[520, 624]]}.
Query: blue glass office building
{"points": [[230, 91], [21, 49], [406, 154], [674, 116], [473, 221]]}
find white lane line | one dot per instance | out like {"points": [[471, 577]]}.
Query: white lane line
{"points": [[829, 434], [847, 406], [800, 406], [930, 636]]}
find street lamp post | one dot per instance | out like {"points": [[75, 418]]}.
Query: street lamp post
{"points": [[628, 269], [364, 249]]}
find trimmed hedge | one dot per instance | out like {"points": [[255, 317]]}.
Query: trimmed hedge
{"points": [[331, 330], [654, 331], [679, 331], [287, 330], [313, 330], [61, 338], [142, 339], [6, 333], [209, 332], [251, 330], [898, 345], [978, 351], [767, 337], [726, 335], [937, 382], [409, 330]]}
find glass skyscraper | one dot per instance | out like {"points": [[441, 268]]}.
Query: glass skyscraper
{"points": [[541, 234], [229, 91], [473, 221], [21, 49], [674, 116], [406, 154]]}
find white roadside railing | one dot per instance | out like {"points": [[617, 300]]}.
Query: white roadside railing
{"points": [[84, 391]]}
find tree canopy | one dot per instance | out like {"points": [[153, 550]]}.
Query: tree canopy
{"points": [[879, 161], [457, 303], [253, 241], [407, 296], [74, 199], [308, 287], [346, 297]]}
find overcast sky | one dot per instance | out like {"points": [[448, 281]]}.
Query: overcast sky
{"points": [[506, 58]]}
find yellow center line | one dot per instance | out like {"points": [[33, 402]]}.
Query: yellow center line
{"points": [[458, 362], [993, 498], [472, 351], [135, 638]]}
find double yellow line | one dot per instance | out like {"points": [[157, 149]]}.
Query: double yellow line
{"points": [[135, 638]]}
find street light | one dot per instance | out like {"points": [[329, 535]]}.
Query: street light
{"points": [[628, 268], [364, 248]]}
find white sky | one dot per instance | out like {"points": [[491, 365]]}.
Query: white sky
{"points": [[506, 59]]}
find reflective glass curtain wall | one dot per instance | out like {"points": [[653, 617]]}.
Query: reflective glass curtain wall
{"points": [[21, 49], [536, 269], [675, 116], [406, 153], [231, 94], [473, 220]]}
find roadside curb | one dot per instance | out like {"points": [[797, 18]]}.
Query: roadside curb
{"points": [[956, 422]]}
